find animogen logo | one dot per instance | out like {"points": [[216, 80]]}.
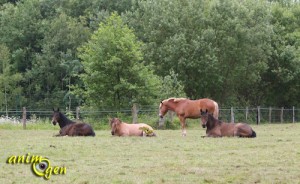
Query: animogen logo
{"points": [[40, 166]]}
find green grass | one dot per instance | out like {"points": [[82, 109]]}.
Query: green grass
{"points": [[272, 157]]}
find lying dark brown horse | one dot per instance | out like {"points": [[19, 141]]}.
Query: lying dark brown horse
{"points": [[71, 128], [119, 128], [217, 128], [185, 108]]}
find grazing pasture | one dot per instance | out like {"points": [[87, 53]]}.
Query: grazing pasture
{"points": [[272, 157]]}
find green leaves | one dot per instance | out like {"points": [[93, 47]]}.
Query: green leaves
{"points": [[114, 71], [217, 48], [172, 87], [9, 81], [235, 52]]}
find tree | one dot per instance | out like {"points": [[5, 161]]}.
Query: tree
{"points": [[281, 80], [115, 74], [72, 67], [62, 36], [171, 87], [21, 32], [9, 81], [217, 48]]}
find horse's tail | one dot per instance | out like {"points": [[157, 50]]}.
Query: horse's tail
{"points": [[253, 133], [216, 111]]}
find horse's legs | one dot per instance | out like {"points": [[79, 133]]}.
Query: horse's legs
{"points": [[242, 131], [182, 122], [214, 133], [144, 134]]}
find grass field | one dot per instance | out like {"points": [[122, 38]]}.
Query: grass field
{"points": [[272, 157]]}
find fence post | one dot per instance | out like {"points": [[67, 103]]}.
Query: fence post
{"points": [[77, 112], [281, 115], [232, 114], [161, 121], [270, 114], [171, 116], [258, 115], [293, 114], [247, 113], [134, 113], [24, 118]]}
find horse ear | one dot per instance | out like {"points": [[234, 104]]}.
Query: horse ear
{"points": [[57, 109], [206, 110]]}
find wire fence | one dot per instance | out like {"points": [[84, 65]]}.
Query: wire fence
{"points": [[249, 115], [260, 115]]}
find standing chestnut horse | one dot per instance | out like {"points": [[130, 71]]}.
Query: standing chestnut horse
{"points": [[185, 108], [71, 128], [119, 128], [217, 128]]}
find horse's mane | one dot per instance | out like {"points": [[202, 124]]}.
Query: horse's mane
{"points": [[65, 119], [175, 99], [113, 120], [215, 119]]}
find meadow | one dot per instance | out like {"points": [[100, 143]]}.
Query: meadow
{"points": [[272, 157]]}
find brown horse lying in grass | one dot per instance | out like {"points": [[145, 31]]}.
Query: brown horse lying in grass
{"points": [[217, 128], [71, 128], [120, 128]]}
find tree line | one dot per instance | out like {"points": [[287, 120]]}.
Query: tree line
{"points": [[111, 53]]}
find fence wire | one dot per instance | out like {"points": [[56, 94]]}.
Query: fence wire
{"points": [[248, 115]]}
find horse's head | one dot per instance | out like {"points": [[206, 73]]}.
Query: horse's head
{"points": [[163, 109], [114, 124], [55, 116], [204, 117]]}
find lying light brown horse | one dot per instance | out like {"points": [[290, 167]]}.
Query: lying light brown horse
{"points": [[119, 128], [217, 128]]}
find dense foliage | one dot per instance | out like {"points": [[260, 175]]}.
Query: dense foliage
{"points": [[111, 53], [114, 74]]}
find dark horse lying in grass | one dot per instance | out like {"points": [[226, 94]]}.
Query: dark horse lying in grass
{"points": [[217, 128], [71, 128]]}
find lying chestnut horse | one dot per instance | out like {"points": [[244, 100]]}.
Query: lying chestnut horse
{"points": [[71, 128], [217, 128], [119, 128], [185, 108]]}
